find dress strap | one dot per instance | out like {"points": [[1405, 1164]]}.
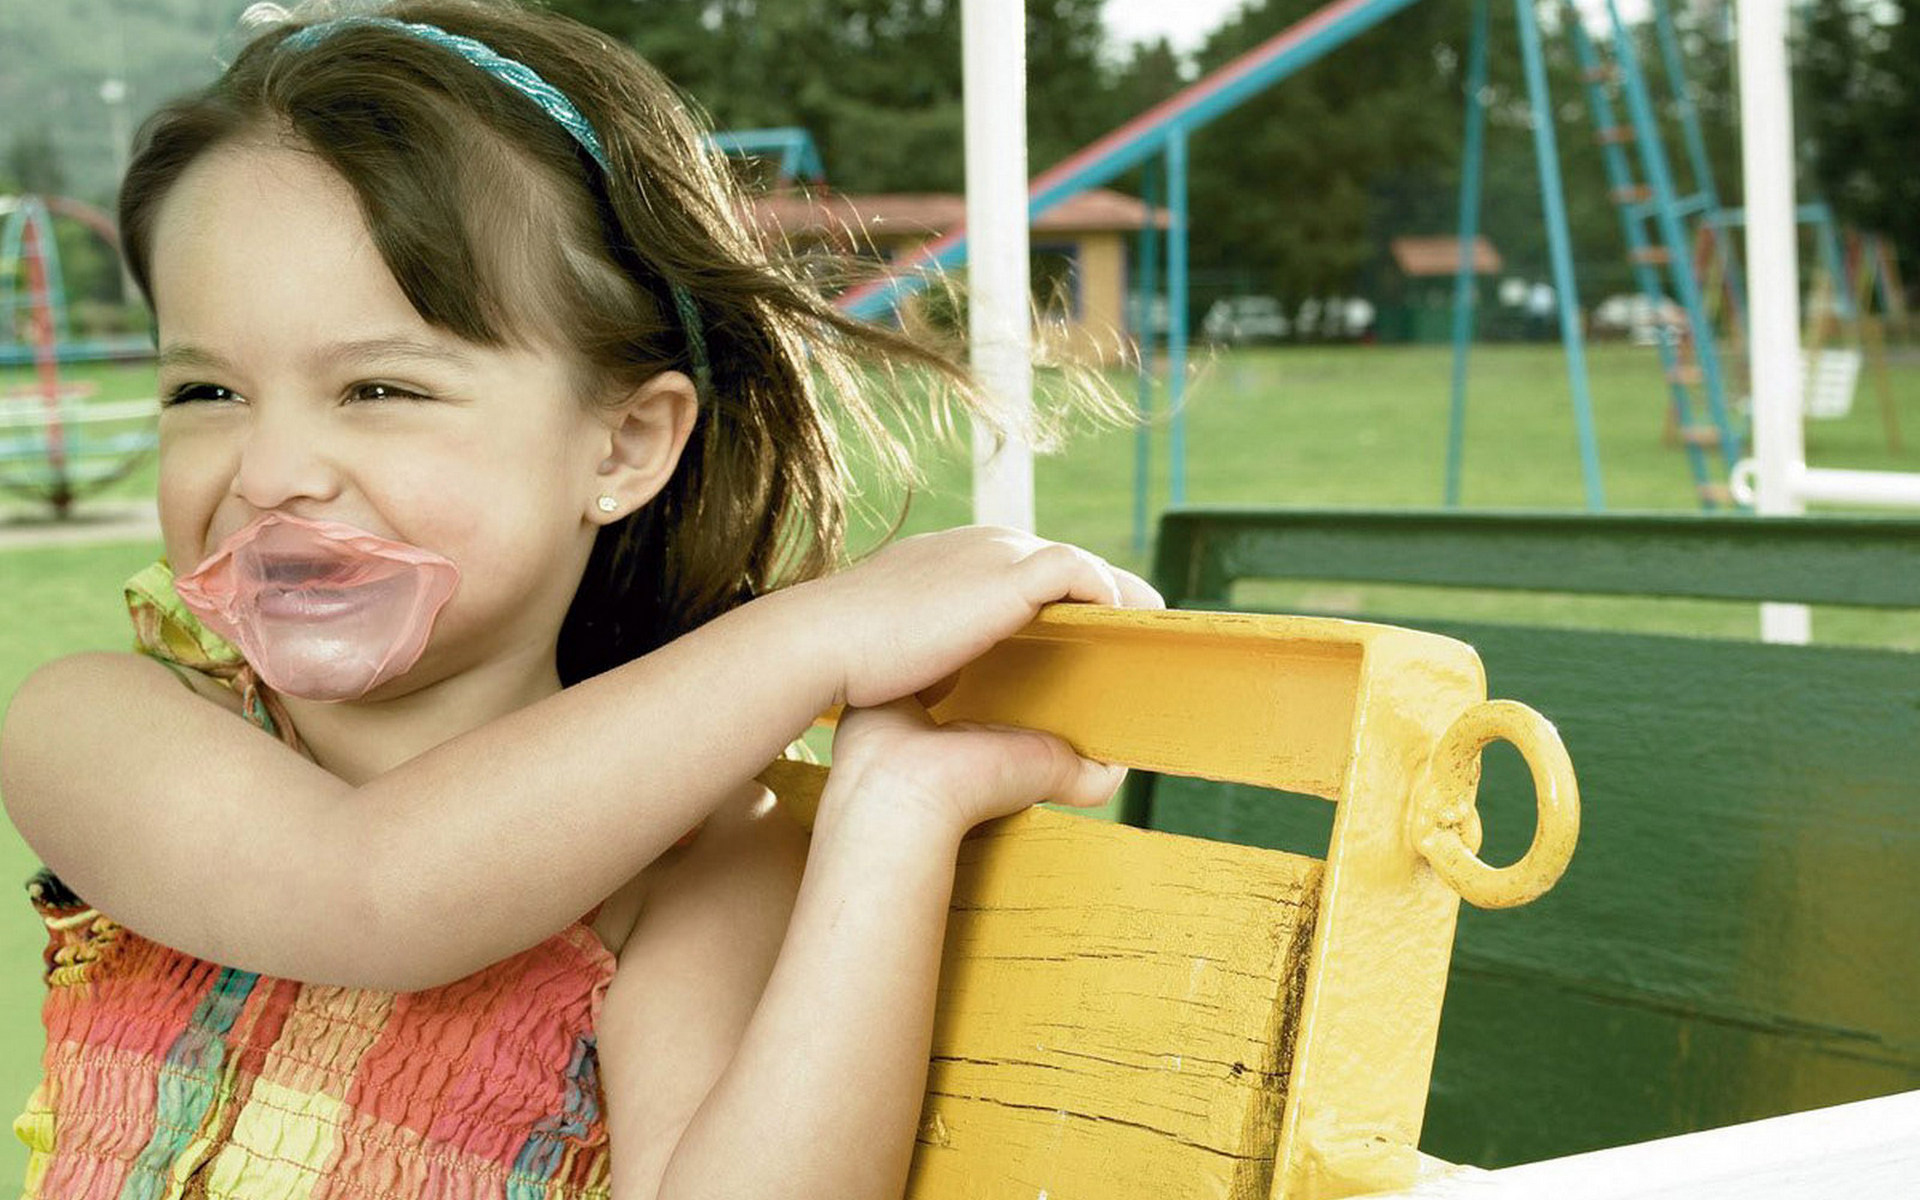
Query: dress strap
{"points": [[179, 672], [164, 629]]}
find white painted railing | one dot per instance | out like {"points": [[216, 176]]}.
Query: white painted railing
{"points": [[1872, 489], [1869, 1150]]}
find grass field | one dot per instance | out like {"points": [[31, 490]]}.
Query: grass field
{"points": [[1304, 427]]}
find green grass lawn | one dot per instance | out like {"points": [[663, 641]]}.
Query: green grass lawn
{"points": [[1345, 426]]}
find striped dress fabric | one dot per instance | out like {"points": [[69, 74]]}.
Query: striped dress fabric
{"points": [[167, 1077]]}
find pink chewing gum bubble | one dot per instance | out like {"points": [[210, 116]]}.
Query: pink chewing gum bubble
{"points": [[321, 609]]}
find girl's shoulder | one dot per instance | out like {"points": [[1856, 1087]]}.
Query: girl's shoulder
{"points": [[211, 688], [134, 678], [168, 640]]}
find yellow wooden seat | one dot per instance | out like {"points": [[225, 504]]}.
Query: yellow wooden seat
{"points": [[1125, 1013]]}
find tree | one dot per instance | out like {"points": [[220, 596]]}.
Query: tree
{"points": [[1149, 74], [877, 82], [1284, 184], [33, 163], [1858, 107], [1301, 189]]}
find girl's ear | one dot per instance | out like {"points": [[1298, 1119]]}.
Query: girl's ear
{"points": [[646, 435]]}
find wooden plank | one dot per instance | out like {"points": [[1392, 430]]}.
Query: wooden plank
{"points": [[1114, 1015], [1747, 871], [1733, 939], [1532, 1066], [1864, 561], [1129, 1014], [1116, 1010], [1218, 695]]}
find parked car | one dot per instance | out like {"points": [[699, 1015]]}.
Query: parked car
{"points": [[1636, 318], [1240, 319]]}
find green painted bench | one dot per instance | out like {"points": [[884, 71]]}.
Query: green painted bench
{"points": [[1739, 936]]}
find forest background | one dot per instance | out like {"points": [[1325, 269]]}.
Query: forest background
{"points": [[1294, 194]]}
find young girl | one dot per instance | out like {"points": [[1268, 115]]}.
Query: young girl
{"points": [[501, 466]]}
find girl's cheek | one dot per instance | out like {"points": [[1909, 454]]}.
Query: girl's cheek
{"points": [[189, 468], [195, 471]]}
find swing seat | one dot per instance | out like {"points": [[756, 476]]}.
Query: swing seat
{"points": [[1737, 940], [1131, 1014], [1829, 380]]}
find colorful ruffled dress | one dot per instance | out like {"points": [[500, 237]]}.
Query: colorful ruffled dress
{"points": [[167, 1077]]}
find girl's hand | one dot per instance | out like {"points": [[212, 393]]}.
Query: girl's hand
{"points": [[893, 762], [923, 607]]}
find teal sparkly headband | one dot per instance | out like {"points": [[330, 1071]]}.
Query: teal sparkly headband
{"points": [[523, 79]]}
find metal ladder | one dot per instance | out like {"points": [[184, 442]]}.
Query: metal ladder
{"points": [[1662, 257]]}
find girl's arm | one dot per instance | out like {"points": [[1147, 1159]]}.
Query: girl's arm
{"points": [[816, 1093], [173, 817], [192, 827]]}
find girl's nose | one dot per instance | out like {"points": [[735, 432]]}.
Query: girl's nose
{"points": [[286, 457]]}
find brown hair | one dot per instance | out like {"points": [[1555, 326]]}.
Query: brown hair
{"points": [[499, 228]]}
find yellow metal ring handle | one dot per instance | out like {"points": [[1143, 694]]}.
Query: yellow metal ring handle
{"points": [[1444, 826]]}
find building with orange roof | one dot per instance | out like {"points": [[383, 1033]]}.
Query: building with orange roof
{"points": [[1080, 251]]}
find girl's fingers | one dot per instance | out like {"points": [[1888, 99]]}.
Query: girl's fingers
{"points": [[1089, 577], [1096, 783], [1100, 582], [1136, 592], [1070, 573], [978, 771], [931, 696], [1042, 767]]}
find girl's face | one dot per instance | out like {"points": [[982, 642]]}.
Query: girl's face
{"points": [[303, 381]]}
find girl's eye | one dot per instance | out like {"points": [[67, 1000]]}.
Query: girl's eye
{"points": [[188, 393], [381, 391]]}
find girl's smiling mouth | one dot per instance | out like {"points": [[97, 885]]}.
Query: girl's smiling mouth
{"points": [[321, 609], [298, 572], [306, 603]]}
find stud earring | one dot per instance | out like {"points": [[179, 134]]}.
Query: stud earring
{"points": [[607, 504]]}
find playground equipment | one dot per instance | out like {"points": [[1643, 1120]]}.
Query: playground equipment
{"points": [[1778, 479], [1126, 1014], [18, 298], [1870, 265], [1662, 262], [1110, 1114], [53, 447], [1838, 308], [1737, 939], [1876, 274], [789, 148], [1832, 374], [1648, 195], [1689, 251], [1156, 141], [1845, 285]]}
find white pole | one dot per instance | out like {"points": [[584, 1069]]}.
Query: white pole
{"points": [[1888, 489], [994, 58], [1773, 273], [1868, 489]]}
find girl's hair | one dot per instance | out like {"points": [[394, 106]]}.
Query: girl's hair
{"points": [[499, 228]]}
